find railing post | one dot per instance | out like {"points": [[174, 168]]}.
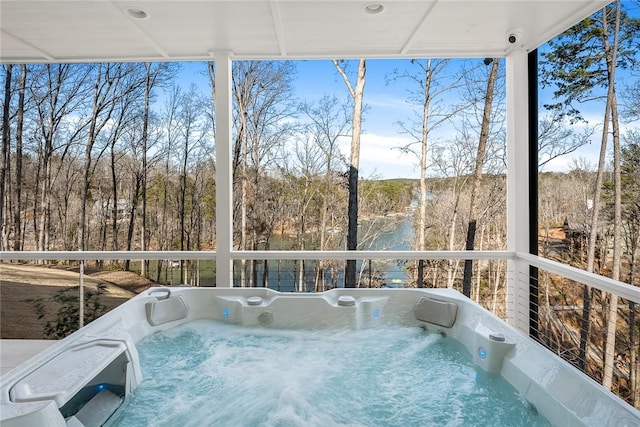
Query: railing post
{"points": [[517, 188], [224, 179], [81, 296]]}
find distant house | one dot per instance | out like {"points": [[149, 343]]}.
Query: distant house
{"points": [[577, 241], [104, 207]]}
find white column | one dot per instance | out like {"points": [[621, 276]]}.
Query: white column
{"points": [[224, 179], [517, 188]]}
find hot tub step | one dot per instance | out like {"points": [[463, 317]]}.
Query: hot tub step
{"points": [[96, 411]]}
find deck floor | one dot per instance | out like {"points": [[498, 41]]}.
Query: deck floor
{"points": [[14, 352]]}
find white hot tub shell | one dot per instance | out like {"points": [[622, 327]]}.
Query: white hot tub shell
{"points": [[64, 384]]}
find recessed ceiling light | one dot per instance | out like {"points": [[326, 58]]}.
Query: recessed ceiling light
{"points": [[374, 8], [136, 13]]}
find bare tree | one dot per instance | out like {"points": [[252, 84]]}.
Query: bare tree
{"points": [[58, 91], [580, 61], [431, 82], [357, 93], [453, 161], [123, 120], [556, 137], [477, 174], [612, 319], [263, 101], [192, 134], [303, 173], [155, 74], [630, 169], [17, 222], [4, 162], [329, 121], [109, 88]]}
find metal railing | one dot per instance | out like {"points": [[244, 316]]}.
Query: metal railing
{"points": [[591, 321]]}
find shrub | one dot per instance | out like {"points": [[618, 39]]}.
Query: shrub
{"points": [[67, 317]]}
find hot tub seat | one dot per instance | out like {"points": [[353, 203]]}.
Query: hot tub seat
{"points": [[87, 363]]}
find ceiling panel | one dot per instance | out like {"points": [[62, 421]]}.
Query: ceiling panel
{"points": [[100, 30], [346, 27], [193, 29]]}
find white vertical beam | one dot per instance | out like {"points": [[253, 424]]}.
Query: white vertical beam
{"points": [[224, 180], [517, 188]]}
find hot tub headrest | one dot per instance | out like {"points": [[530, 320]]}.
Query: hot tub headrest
{"points": [[439, 312], [166, 310]]}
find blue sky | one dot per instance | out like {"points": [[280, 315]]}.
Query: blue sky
{"points": [[386, 104]]}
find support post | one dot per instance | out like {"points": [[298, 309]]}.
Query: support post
{"points": [[534, 291], [517, 188], [224, 179]]}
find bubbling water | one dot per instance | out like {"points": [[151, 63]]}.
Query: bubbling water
{"points": [[211, 374]]}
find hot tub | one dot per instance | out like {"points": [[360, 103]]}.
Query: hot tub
{"points": [[83, 379]]}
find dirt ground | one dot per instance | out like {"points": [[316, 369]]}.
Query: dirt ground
{"points": [[20, 283]]}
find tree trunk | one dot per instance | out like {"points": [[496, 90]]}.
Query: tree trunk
{"points": [[420, 274], [424, 134], [52, 105], [183, 207], [114, 195], [103, 104], [148, 85], [633, 345], [91, 139], [243, 195], [496, 287], [593, 237], [476, 297], [609, 352], [17, 218], [132, 217], [265, 271], [6, 136], [36, 197], [357, 94], [326, 191], [453, 265], [45, 196], [477, 175], [633, 356], [164, 239]]}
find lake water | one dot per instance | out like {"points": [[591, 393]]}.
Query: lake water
{"points": [[284, 275]]}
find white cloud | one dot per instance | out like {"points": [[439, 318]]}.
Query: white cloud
{"points": [[380, 156]]}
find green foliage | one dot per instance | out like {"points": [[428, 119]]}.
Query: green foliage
{"points": [[114, 266], [576, 63], [67, 316], [630, 176]]}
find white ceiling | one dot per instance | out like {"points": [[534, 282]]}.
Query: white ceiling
{"points": [[99, 30]]}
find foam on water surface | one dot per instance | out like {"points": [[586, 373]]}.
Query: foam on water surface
{"points": [[207, 373]]}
